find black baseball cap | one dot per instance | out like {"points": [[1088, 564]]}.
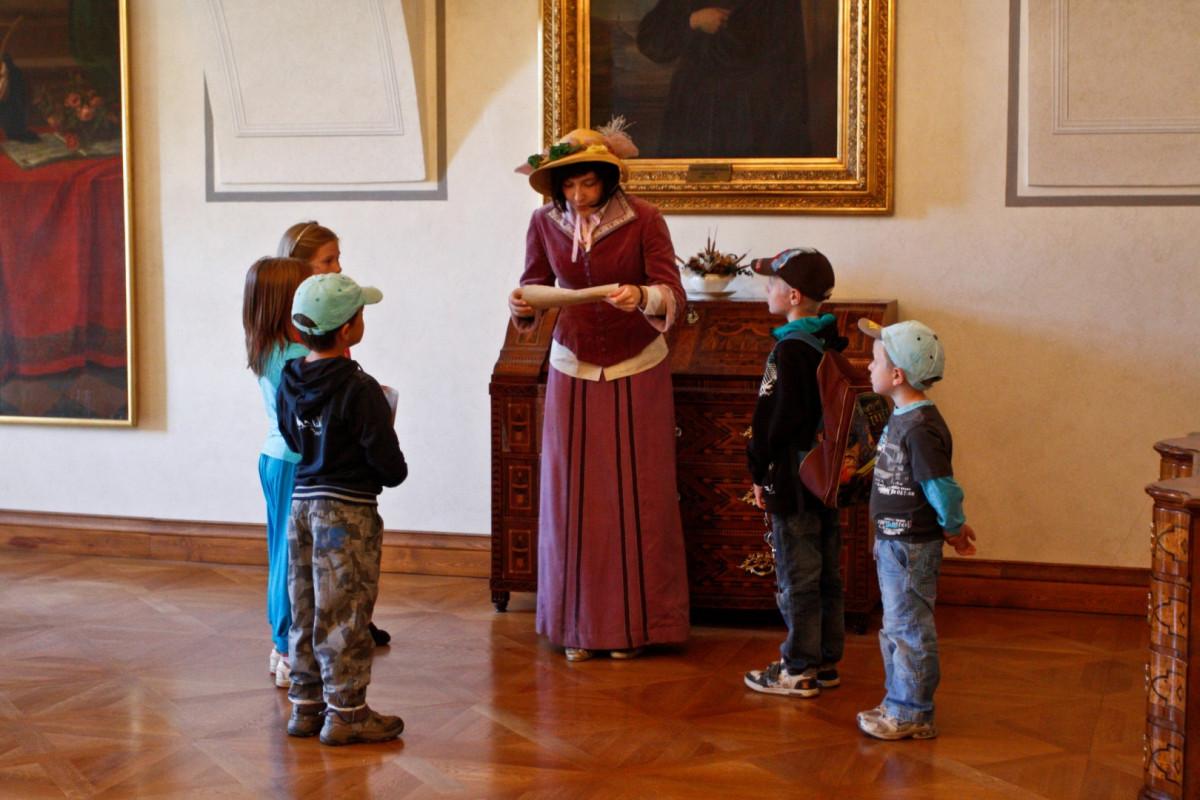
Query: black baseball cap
{"points": [[803, 268]]}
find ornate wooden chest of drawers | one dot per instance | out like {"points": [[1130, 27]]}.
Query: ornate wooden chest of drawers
{"points": [[1171, 766], [718, 349], [1172, 742]]}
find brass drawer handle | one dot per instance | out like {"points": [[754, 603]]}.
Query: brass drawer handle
{"points": [[678, 432], [759, 564], [748, 433], [693, 316], [748, 498]]}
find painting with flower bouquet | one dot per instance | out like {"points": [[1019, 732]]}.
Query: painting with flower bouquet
{"points": [[83, 119], [66, 343]]}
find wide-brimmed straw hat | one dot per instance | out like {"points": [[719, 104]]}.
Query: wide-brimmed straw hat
{"points": [[607, 145]]}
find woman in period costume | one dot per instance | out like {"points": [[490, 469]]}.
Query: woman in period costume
{"points": [[611, 569]]}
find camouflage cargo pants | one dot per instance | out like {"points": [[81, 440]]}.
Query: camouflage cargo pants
{"points": [[333, 580]]}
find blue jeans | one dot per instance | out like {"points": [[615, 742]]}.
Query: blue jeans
{"points": [[277, 477], [808, 580], [908, 575]]}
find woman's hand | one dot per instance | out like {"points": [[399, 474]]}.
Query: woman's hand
{"points": [[627, 297], [518, 307], [709, 20]]}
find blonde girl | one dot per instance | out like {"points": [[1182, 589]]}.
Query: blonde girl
{"points": [[314, 243], [271, 341]]}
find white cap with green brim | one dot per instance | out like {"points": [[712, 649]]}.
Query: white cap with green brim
{"points": [[913, 347], [324, 303]]}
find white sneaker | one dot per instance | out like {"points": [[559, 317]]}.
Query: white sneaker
{"points": [[283, 673], [273, 661], [882, 725]]}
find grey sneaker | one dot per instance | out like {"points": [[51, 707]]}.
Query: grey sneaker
{"points": [[775, 679], [882, 725], [306, 719], [361, 725]]}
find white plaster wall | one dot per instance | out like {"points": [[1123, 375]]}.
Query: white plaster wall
{"points": [[1070, 332]]}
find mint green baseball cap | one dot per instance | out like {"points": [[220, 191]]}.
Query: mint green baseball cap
{"points": [[324, 303], [913, 347]]}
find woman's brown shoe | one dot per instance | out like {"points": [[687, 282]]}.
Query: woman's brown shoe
{"points": [[578, 654], [625, 655]]}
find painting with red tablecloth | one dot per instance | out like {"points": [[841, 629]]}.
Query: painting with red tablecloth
{"points": [[64, 270]]}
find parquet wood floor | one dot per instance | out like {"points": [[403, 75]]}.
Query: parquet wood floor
{"points": [[123, 678]]}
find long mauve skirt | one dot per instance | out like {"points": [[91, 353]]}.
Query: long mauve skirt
{"points": [[611, 566]]}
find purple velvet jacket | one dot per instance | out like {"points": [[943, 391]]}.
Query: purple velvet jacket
{"points": [[631, 245]]}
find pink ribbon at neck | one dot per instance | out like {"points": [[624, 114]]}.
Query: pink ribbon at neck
{"points": [[585, 227]]}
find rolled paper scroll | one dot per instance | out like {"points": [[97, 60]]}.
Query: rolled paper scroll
{"points": [[558, 297]]}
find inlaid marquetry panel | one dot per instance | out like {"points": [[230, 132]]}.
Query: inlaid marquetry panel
{"points": [[858, 562], [521, 421], [1163, 761], [729, 569], [1168, 615], [521, 482], [520, 551], [1169, 553], [710, 430], [1166, 685], [717, 496]]}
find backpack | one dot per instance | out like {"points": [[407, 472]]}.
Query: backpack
{"points": [[839, 467]]}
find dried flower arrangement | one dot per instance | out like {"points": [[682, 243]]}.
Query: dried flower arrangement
{"points": [[711, 261]]}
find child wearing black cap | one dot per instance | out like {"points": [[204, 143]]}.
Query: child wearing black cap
{"points": [[804, 533]]}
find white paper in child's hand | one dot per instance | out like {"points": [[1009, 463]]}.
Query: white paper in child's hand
{"points": [[393, 399]]}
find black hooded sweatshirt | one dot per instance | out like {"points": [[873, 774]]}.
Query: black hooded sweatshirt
{"points": [[785, 421], [336, 417]]}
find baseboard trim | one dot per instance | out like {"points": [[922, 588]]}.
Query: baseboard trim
{"points": [[967, 582], [413, 552], [1044, 587]]}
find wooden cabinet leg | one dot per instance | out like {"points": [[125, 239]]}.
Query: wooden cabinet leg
{"points": [[500, 601]]}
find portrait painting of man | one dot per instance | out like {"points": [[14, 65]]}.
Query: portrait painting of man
{"points": [[731, 79]]}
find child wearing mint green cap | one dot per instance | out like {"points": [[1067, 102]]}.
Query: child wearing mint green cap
{"points": [[338, 419], [916, 505]]}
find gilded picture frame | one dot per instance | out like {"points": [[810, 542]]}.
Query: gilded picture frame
{"points": [[66, 257], [853, 177]]}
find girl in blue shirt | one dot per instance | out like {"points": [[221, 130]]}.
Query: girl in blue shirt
{"points": [[271, 340]]}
